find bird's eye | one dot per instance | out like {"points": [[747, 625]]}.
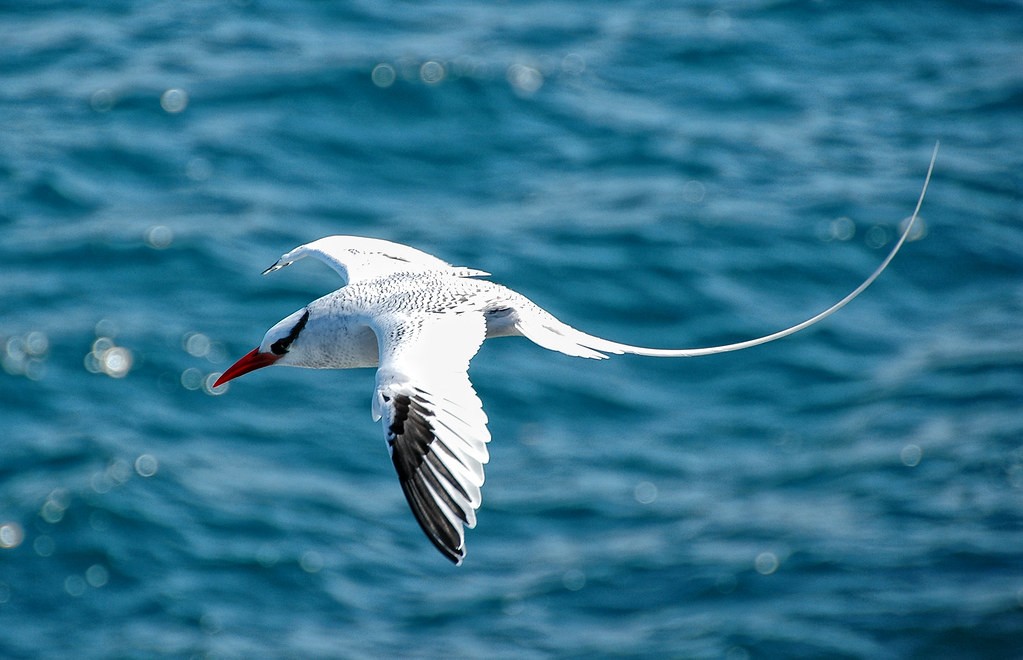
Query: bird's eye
{"points": [[283, 345]]}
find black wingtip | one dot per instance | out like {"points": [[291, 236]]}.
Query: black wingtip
{"points": [[440, 504], [434, 528], [277, 266]]}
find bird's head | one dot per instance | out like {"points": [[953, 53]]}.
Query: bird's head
{"points": [[275, 348]]}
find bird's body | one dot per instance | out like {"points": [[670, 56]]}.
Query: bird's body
{"points": [[419, 321], [342, 320]]}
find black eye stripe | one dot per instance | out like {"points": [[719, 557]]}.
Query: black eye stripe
{"points": [[281, 346]]}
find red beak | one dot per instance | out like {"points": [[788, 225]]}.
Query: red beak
{"points": [[252, 361]]}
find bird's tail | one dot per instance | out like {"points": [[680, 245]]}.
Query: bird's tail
{"points": [[542, 328]]}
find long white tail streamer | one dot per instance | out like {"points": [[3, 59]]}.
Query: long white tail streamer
{"points": [[599, 344]]}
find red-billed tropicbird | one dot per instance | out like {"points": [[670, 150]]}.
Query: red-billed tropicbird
{"points": [[419, 321]]}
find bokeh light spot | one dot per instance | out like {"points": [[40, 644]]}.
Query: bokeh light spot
{"points": [[174, 100], [102, 345], [25, 356], [837, 229], [197, 344], [919, 228], [911, 455], [311, 562], [51, 512], [108, 358], [843, 229], [573, 64], [44, 545], [877, 237], [191, 379], [159, 237], [97, 576], [432, 72], [74, 585], [525, 80], [116, 362], [146, 465], [719, 21], [693, 191], [645, 492], [105, 328], [383, 75], [574, 579], [207, 385], [55, 505], [119, 471], [102, 100], [36, 343], [766, 563], [11, 535]]}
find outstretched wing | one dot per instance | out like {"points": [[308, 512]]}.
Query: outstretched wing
{"points": [[356, 258], [433, 422]]}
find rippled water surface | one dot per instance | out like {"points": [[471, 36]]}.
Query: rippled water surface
{"points": [[670, 174]]}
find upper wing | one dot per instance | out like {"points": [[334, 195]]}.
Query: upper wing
{"points": [[433, 421], [357, 258]]}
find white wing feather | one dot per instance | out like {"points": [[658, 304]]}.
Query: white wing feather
{"points": [[433, 420], [356, 258]]}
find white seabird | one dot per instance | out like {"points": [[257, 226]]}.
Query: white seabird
{"points": [[419, 321]]}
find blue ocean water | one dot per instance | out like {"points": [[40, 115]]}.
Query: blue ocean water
{"points": [[668, 174]]}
